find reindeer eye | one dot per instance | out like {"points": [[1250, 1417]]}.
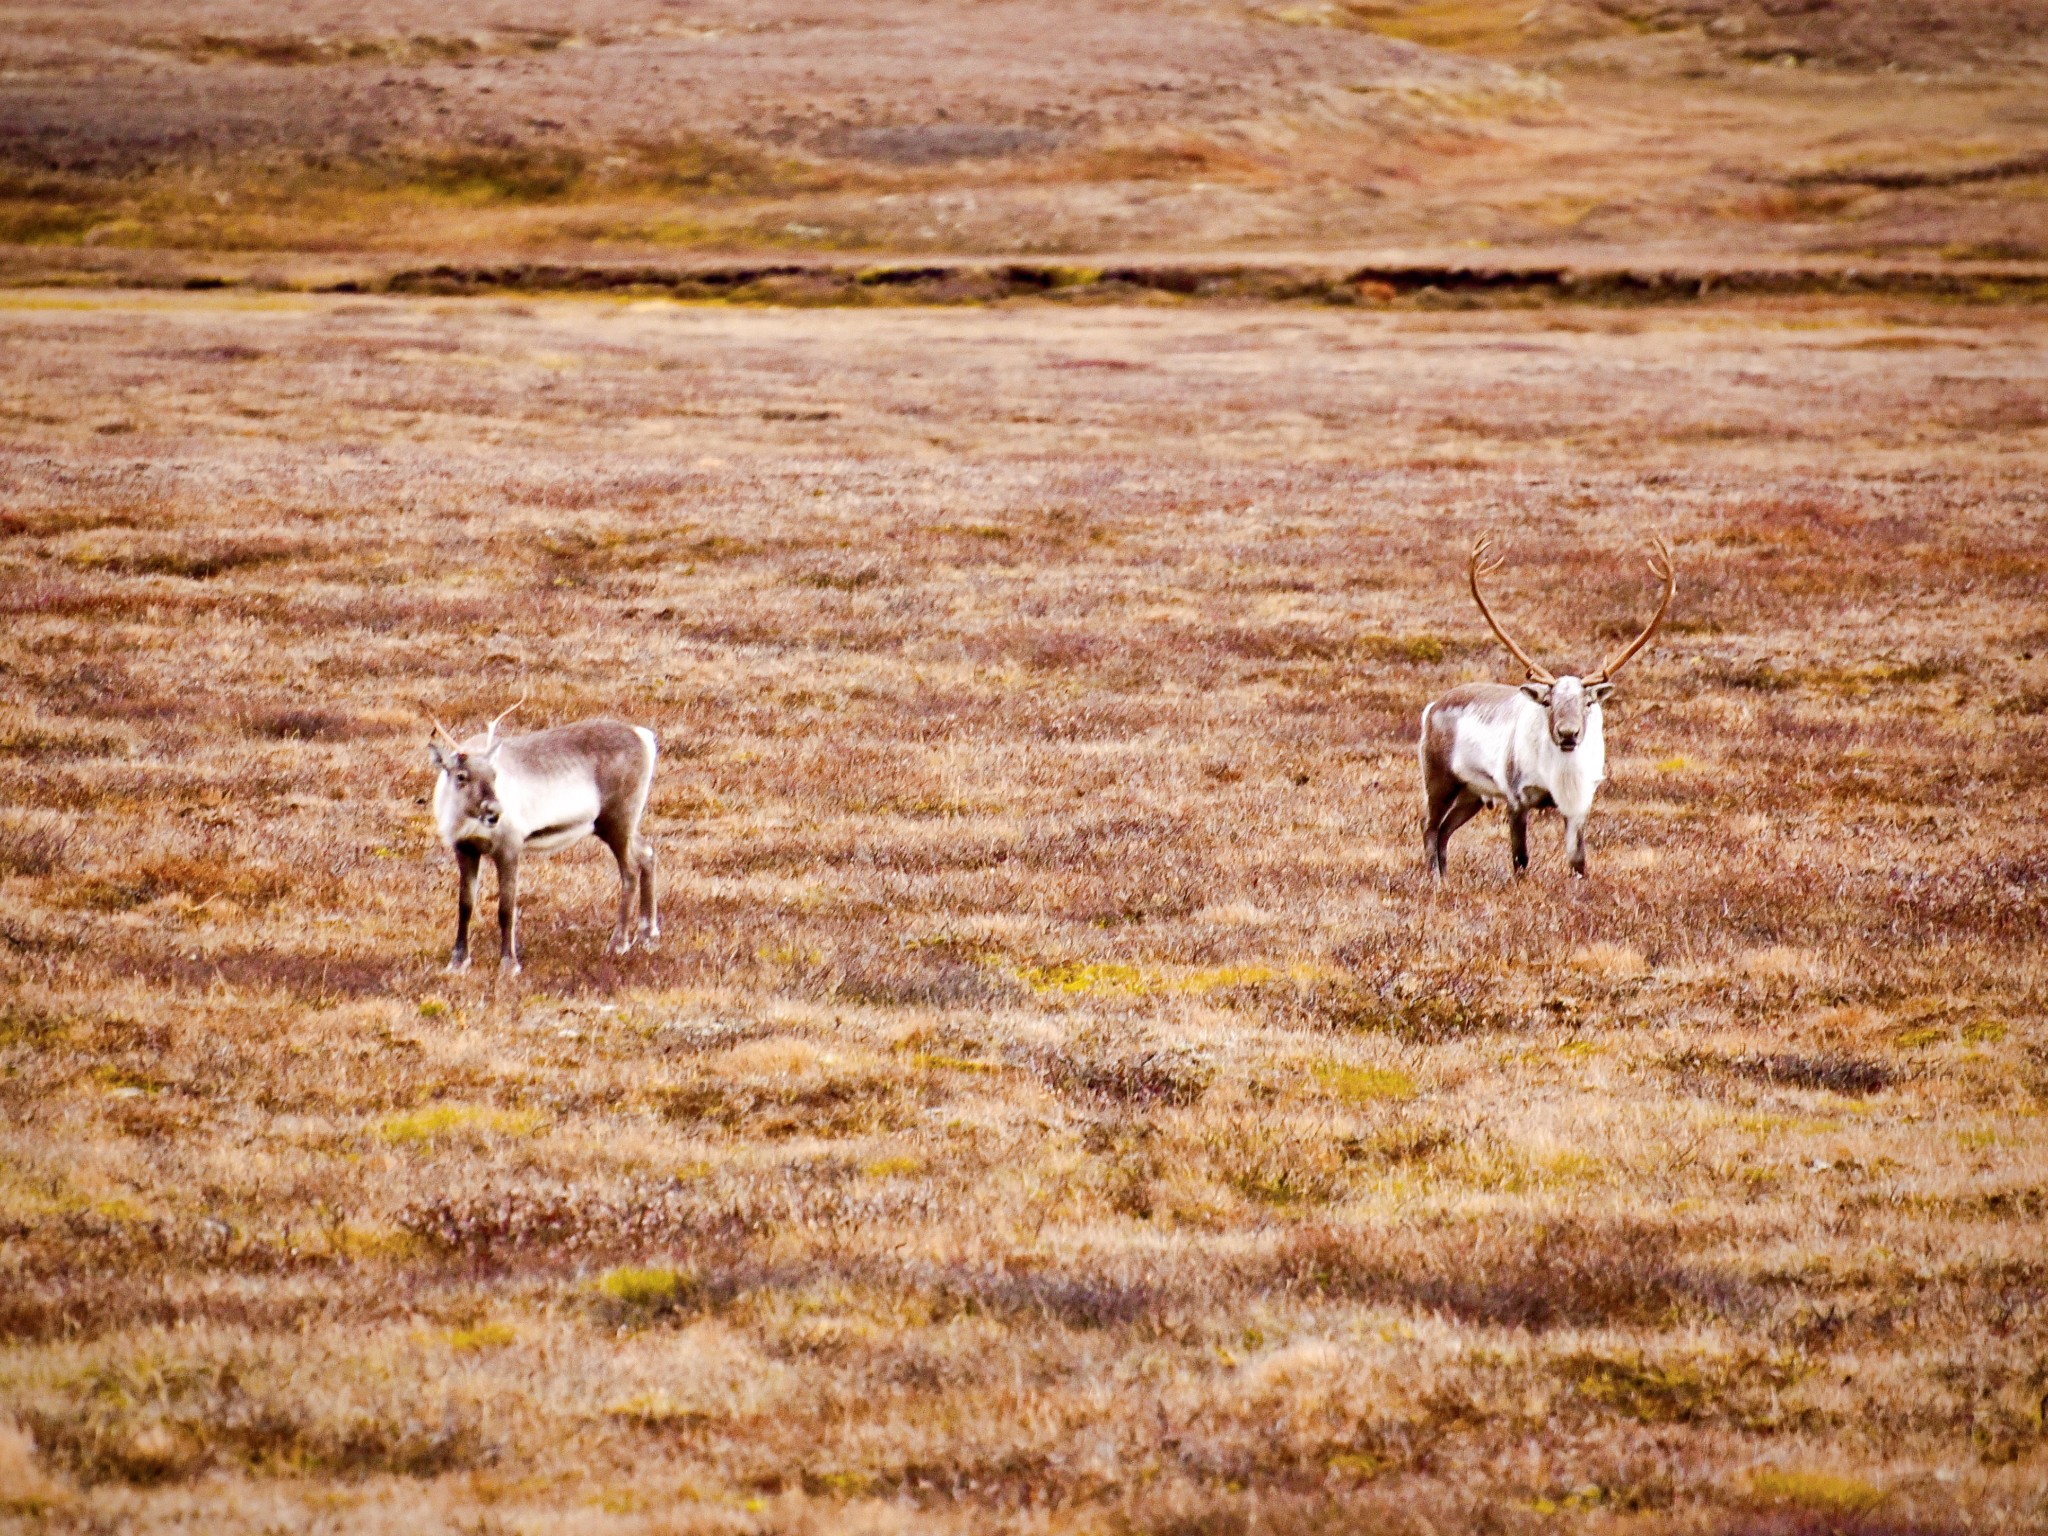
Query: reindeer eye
{"points": [[461, 777]]}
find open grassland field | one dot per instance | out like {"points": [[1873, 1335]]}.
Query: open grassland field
{"points": [[138, 138], [1060, 1102]]}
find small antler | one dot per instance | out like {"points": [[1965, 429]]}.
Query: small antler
{"points": [[1480, 566], [491, 735], [446, 735], [1661, 564]]}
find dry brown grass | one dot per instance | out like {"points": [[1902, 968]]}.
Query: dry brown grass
{"points": [[1061, 1102], [476, 128]]}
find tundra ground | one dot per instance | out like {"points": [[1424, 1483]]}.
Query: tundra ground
{"points": [[251, 136], [1060, 1102]]}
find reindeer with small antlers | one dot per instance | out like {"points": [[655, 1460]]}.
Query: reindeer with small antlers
{"points": [[502, 798], [1526, 748]]}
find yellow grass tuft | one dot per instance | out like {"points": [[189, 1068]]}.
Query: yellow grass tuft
{"points": [[1826, 1491], [482, 1336], [1364, 1085], [643, 1288], [892, 1167], [439, 1122], [1072, 977]]}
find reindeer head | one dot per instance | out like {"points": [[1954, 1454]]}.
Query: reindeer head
{"points": [[473, 779], [1567, 700]]}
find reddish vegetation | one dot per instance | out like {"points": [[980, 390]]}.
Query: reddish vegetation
{"points": [[1061, 1101]]}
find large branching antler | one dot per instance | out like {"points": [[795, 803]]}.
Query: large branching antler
{"points": [[1480, 566], [1661, 564], [491, 736]]}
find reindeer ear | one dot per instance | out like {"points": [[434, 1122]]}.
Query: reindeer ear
{"points": [[1540, 692], [434, 756], [1596, 692]]}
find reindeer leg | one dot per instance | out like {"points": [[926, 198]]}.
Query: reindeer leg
{"points": [[468, 862], [1442, 791], [1461, 810], [1432, 838], [621, 845], [508, 912], [650, 917], [1518, 839], [1575, 846]]}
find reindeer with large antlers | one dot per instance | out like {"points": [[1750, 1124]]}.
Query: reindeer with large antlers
{"points": [[1525, 748], [504, 797]]}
